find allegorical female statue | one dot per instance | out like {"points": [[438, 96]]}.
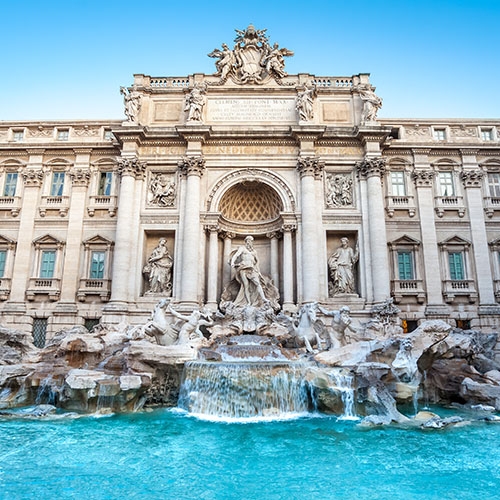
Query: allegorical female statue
{"points": [[158, 269], [341, 266]]}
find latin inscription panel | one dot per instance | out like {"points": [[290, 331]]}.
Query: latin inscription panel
{"points": [[251, 110]]}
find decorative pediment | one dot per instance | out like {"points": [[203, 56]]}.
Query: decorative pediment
{"points": [[47, 240], [252, 60], [6, 242], [455, 241], [98, 240], [404, 241]]}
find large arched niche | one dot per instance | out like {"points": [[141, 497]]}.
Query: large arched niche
{"points": [[251, 201]]}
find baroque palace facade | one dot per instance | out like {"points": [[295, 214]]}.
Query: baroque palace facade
{"points": [[101, 219]]}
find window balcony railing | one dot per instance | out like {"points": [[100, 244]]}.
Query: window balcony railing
{"points": [[407, 288], [12, 203], [92, 287], [59, 204], [394, 203], [4, 288], [453, 288], [101, 202], [491, 203], [44, 286], [452, 203]]}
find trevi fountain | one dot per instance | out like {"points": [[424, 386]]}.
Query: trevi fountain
{"points": [[297, 392]]}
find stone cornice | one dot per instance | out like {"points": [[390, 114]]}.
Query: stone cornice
{"points": [[472, 178], [372, 134], [194, 133], [370, 167], [421, 151], [131, 166], [82, 151], [192, 165], [310, 166]]}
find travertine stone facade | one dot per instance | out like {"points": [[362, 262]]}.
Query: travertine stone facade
{"points": [[297, 161]]}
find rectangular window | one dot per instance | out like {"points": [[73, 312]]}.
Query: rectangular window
{"points": [[398, 184], [62, 135], [18, 135], [56, 189], [456, 262], [446, 187], [3, 258], [39, 332], [494, 185], [440, 134], [405, 266], [105, 181], [47, 264], [487, 134], [97, 265], [9, 188]]}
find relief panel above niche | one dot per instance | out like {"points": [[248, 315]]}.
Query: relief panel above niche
{"points": [[337, 112], [168, 111]]}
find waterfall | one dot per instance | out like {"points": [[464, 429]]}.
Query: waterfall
{"points": [[244, 389], [343, 384]]}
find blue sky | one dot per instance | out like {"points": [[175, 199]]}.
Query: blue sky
{"points": [[428, 59]]}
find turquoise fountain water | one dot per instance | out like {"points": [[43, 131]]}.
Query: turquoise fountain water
{"points": [[167, 454]]}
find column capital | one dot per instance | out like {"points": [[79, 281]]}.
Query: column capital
{"points": [[310, 166], [227, 235], [131, 166], [273, 235], [371, 167], [289, 227], [80, 177], [472, 178], [32, 177], [423, 178], [192, 165], [211, 228]]}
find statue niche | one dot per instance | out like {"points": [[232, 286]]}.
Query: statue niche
{"points": [[158, 270], [342, 268], [249, 286]]}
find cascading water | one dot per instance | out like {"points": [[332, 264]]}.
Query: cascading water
{"points": [[343, 383], [244, 389]]}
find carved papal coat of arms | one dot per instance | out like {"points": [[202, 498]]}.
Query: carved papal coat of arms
{"points": [[252, 59]]}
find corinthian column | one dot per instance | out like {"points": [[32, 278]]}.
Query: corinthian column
{"points": [[213, 260], [33, 179], [128, 169], [423, 176], [80, 178], [288, 267], [372, 169], [193, 167], [472, 180], [308, 169]]}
